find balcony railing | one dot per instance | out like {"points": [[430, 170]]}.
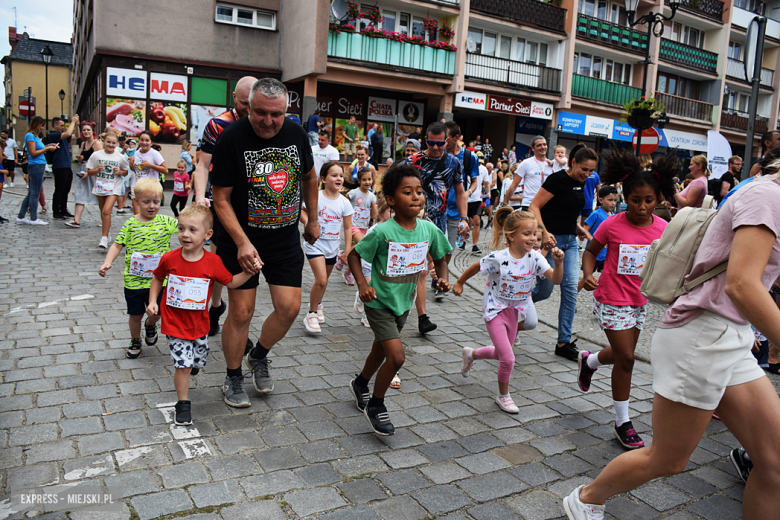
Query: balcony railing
{"points": [[525, 11], [510, 72], [736, 69], [374, 52], [611, 34], [742, 18], [688, 56], [739, 120], [683, 107], [712, 9], [601, 90]]}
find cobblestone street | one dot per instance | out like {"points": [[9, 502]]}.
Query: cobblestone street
{"points": [[74, 409]]}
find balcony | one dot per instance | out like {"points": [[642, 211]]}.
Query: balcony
{"points": [[512, 73], [736, 69], [601, 90], [742, 18], [683, 107], [610, 34], [739, 120], [381, 52], [524, 11], [712, 9], [688, 56]]}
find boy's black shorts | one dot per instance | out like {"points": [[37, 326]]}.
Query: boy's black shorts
{"points": [[138, 300]]}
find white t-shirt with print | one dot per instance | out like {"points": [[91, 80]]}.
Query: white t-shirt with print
{"points": [[533, 173], [154, 157], [509, 280], [362, 203], [106, 183], [323, 155], [330, 215]]}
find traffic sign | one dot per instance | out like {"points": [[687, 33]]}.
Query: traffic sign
{"points": [[650, 140], [27, 109]]}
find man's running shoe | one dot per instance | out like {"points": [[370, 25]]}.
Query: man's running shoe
{"points": [[134, 350], [467, 362], [568, 350], [742, 464], [585, 373], [151, 334], [214, 314], [379, 420], [261, 376], [235, 396], [628, 436], [360, 393], [576, 510]]}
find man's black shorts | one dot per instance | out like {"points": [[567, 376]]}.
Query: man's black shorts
{"points": [[284, 268], [9, 165], [473, 208]]}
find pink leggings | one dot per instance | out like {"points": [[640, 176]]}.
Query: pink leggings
{"points": [[502, 330]]}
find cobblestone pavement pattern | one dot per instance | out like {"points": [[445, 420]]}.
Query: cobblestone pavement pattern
{"points": [[74, 409]]}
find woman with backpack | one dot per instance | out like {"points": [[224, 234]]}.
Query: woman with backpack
{"points": [[702, 360]]}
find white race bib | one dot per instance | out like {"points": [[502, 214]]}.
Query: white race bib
{"points": [[330, 229], [403, 259], [142, 264], [103, 187], [632, 259], [513, 287], [187, 293], [361, 217], [178, 186]]}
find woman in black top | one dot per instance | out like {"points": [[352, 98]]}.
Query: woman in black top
{"points": [[557, 206], [84, 184]]}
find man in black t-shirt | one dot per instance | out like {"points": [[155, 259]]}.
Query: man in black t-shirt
{"points": [[261, 171], [729, 179]]}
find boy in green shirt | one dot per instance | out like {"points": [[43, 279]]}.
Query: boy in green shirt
{"points": [[147, 237], [350, 139], [397, 252]]}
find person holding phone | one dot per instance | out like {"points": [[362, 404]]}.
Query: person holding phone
{"points": [[35, 168], [63, 174]]}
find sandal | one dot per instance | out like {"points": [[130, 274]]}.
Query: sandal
{"points": [[396, 382], [42, 211]]}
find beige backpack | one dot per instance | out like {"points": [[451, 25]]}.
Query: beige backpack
{"points": [[670, 258]]}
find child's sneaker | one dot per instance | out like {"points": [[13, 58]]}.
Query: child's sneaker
{"points": [[628, 436], [183, 416], [349, 278], [358, 303], [467, 362], [134, 350], [311, 323], [379, 420], [518, 340], [320, 314], [103, 244], [576, 510], [360, 393], [151, 334], [585, 373], [339, 263], [364, 321], [507, 404]]}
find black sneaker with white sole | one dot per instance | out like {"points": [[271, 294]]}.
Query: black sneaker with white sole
{"points": [[360, 393], [379, 420], [134, 350], [568, 350], [742, 464], [151, 334], [183, 415]]}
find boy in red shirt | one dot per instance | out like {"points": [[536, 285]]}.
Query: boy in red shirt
{"points": [[191, 272]]}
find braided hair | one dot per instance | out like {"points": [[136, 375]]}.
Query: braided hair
{"points": [[621, 165]]}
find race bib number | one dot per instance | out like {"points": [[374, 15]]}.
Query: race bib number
{"points": [[104, 187], [178, 186], [514, 287], [142, 264], [330, 229], [361, 217], [187, 293], [632, 259], [403, 259]]}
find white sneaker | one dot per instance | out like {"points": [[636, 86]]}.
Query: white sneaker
{"points": [[120, 210], [576, 510], [467, 362], [103, 244], [518, 341], [311, 323], [10, 184], [320, 314], [364, 321], [22, 220], [38, 222], [358, 303], [507, 404]]}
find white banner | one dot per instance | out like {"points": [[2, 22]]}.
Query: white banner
{"points": [[381, 109], [473, 100], [125, 83], [168, 87], [718, 153], [410, 113]]}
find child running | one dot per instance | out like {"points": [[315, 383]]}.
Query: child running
{"points": [[191, 271], [181, 187], [384, 213], [146, 162], [397, 252], [147, 236], [364, 203], [617, 303], [507, 300], [333, 212], [109, 168]]}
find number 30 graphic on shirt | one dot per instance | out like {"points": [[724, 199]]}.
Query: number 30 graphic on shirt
{"points": [[264, 168]]}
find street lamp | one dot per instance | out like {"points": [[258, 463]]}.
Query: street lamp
{"points": [[46, 55], [655, 26], [62, 98]]}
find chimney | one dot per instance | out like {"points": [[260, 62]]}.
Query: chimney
{"points": [[13, 38]]}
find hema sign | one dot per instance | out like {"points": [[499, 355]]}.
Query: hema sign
{"points": [[125, 83], [168, 87]]}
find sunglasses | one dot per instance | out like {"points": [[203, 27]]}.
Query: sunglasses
{"points": [[436, 143]]}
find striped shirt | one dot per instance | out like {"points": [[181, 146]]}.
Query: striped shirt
{"points": [[214, 129]]}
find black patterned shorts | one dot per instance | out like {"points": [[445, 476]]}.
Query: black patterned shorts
{"points": [[189, 353]]}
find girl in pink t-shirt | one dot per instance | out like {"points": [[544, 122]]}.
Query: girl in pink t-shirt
{"points": [[181, 188], [617, 302]]}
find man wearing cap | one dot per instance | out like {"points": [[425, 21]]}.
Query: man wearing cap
{"points": [[532, 171]]}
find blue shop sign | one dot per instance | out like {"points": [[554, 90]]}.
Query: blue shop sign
{"points": [[529, 125], [622, 132], [571, 123]]}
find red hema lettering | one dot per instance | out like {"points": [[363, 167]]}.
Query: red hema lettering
{"points": [[162, 87]]}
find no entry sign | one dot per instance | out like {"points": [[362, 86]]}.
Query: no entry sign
{"points": [[650, 140], [26, 109]]}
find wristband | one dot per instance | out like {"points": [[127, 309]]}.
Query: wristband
{"points": [[464, 218]]}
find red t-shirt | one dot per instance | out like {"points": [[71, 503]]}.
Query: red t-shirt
{"points": [[188, 323]]}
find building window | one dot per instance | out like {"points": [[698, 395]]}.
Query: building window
{"points": [[476, 36], [489, 44], [245, 17], [506, 47], [601, 68], [418, 27], [388, 21], [735, 50], [678, 86]]}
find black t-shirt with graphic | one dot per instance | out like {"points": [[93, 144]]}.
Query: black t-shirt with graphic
{"points": [[561, 212], [265, 175]]}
